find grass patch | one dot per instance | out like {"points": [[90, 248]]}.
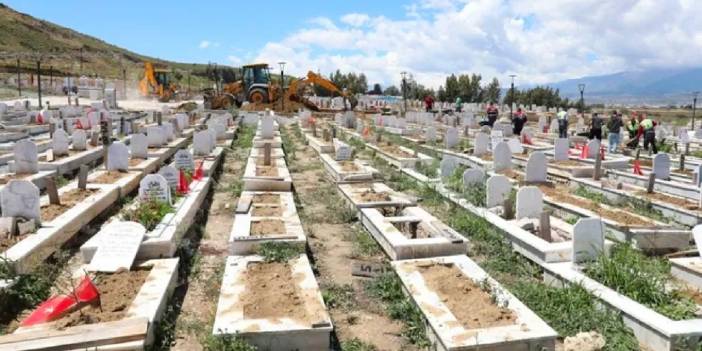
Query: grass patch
{"points": [[388, 288], [645, 208], [593, 196], [364, 245], [339, 296], [572, 309], [279, 251], [428, 170], [226, 342], [244, 139], [148, 213], [643, 279], [356, 344]]}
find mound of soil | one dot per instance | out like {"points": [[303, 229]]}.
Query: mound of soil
{"points": [[109, 177], [117, 291], [266, 171], [268, 227], [68, 200], [373, 196], [473, 307], [271, 292], [266, 199], [267, 211]]}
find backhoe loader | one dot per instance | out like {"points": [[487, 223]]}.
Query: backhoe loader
{"points": [[158, 83]]}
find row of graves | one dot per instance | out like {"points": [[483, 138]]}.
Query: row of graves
{"points": [[272, 305], [129, 269], [566, 206], [430, 259]]}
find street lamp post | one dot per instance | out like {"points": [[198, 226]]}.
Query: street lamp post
{"points": [[694, 107], [404, 90], [282, 85], [581, 88], [511, 102]]}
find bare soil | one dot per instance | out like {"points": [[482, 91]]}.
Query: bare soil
{"points": [[68, 200], [373, 196], [512, 174], [266, 199], [677, 201], [266, 171], [268, 227], [561, 194], [6, 178], [486, 157], [8, 242], [472, 306], [568, 163], [405, 228], [396, 151], [109, 177], [348, 166], [332, 248], [117, 291], [58, 157], [272, 292], [133, 162], [267, 211]]}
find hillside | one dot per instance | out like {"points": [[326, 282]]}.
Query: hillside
{"points": [[29, 38]]}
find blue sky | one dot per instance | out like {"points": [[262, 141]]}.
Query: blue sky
{"points": [[175, 29], [539, 40]]}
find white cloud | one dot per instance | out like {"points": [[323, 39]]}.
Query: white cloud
{"points": [[540, 40], [208, 44], [355, 19]]}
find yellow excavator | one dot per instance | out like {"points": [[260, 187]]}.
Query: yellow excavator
{"points": [[158, 83], [256, 87]]}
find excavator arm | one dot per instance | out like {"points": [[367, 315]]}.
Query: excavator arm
{"points": [[149, 81], [294, 90]]}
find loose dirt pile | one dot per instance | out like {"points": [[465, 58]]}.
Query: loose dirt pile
{"points": [[268, 227], [266, 199], [272, 292], [472, 306], [109, 177], [560, 194], [267, 211], [591, 341], [68, 200], [266, 171], [373, 196], [117, 291]]}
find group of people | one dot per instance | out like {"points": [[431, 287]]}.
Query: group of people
{"points": [[639, 126]]}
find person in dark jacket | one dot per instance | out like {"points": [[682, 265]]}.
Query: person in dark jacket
{"points": [[614, 127], [491, 116], [596, 127], [562, 124], [518, 121]]}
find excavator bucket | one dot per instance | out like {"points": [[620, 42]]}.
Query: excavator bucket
{"points": [[309, 104]]}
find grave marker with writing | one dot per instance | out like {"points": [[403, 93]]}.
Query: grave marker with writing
{"points": [[117, 246]]}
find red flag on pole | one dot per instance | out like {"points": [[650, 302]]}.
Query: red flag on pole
{"points": [[199, 173], [40, 118], [585, 152], [637, 167], [183, 187], [57, 306]]}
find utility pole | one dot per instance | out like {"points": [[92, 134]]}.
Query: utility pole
{"points": [[694, 107], [581, 87], [19, 79], [404, 90], [51, 78], [282, 86], [39, 81], [81, 61], [124, 81], [511, 100]]}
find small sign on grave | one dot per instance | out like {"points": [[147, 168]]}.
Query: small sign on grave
{"points": [[369, 269], [118, 246]]}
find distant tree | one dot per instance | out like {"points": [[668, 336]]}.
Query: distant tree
{"points": [[377, 90], [392, 91], [491, 93]]}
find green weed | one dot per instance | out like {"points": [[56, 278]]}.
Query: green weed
{"points": [[279, 251], [339, 296], [356, 344], [364, 245], [226, 342], [148, 213]]}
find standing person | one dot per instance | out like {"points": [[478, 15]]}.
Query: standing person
{"points": [[632, 128], [428, 103], [648, 128], [614, 127], [596, 127], [518, 121], [459, 104], [491, 116], [562, 124]]}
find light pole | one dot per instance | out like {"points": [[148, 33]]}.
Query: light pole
{"points": [[404, 90], [511, 102], [282, 85], [581, 88], [694, 107]]}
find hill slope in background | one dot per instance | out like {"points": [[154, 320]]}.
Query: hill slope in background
{"points": [[653, 85], [29, 37]]}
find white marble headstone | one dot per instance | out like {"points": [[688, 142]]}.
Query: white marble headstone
{"points": [[430, 134], [155, 136], [60, 142], [154, 187], [117, 157], [20, 198], [561, 146], [342, 150], [482, 142], [170, 173], [501, 157], [447, 166], [139, 146], [451, 139], [515, 145], [593, 148], [183, 159], [472, 176], [168, 131], [118, 244], [530, 202], [661, 166], [79, 140], [202, 143], [588, 239], [497, 190], [536, 170], [26, 157]]}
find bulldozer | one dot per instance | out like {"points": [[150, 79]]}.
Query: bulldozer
{"points": [[256, 87], [158, 83]]}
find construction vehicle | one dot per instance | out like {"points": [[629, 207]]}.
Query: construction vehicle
{"points": [[158, 83], [256, 87]]}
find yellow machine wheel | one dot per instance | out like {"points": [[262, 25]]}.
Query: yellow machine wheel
{"points": [[257, 97]]}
